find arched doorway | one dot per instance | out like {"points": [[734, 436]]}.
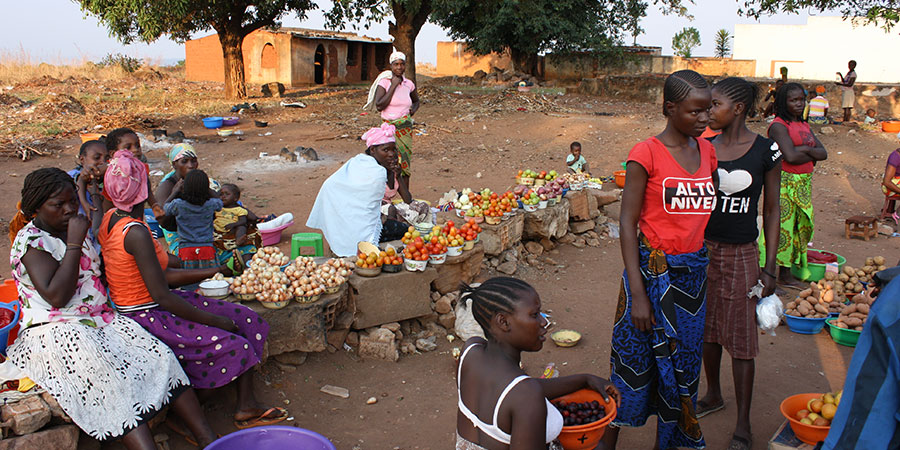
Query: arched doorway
{"points": [[320, 65], [268, 59]]}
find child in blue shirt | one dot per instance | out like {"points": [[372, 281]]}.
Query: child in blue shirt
{"points": [[194, 206]]}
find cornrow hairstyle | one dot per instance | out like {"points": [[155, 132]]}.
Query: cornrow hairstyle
{"points": [[679, 85], [781, 108], [196, 187], [112, 139], [233, 187], [499, 294], [39, 186], [739, 90]]}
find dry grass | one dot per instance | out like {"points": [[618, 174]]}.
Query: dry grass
{"points": [[18, 67]]}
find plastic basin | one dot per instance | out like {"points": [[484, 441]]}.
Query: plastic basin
{"points": [[85, 137], [890, 126], [273, 436], [843, 336], [814, 271], [152, 223], [9, 299], [584, 437], [620, 178], [804, 325], [810, 434], [273, 236], [213, 122], [230, 121]]}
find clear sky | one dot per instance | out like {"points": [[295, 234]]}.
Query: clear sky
{"points": [[56, 31]]}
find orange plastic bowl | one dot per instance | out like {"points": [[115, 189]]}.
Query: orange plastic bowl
{"points": [[620, 178], [890, 126], [584, 437], [810, 434], [90, 137]]}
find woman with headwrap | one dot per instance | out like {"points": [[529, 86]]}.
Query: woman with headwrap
{"points": [[396, 98], [216, 342], [107, 373], [348, 208], [183, 159]]}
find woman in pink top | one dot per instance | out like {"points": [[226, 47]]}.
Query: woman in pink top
{"points": [[397, 99]]}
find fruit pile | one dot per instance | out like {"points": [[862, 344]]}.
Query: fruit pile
{"points": [[527, 173], [542, 175], [530, 197], [469, 230], [854, 279], [854, 315], [820, 411], [391, 257], [371, 260], [580, 413], [454, 238], [416, 250], [816, 301]]}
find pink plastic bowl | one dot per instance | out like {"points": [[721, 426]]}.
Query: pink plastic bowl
{"points": [[273, 236]]}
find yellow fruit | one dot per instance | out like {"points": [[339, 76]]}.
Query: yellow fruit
{"points": [[828, 411], [815, 405], [837, 398], [813, 416], [806, 421], [828, 398]]}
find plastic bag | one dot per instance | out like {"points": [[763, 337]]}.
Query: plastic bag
{"points": [[466, 326], [769, 311]]}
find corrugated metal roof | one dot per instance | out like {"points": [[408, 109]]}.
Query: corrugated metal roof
{"points": [[325, 34]]}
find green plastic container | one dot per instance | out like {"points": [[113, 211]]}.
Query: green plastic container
{"points": [[815, 272], [843, 336]]}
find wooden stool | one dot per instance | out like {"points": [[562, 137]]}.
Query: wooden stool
{"points": [[861, 226]]}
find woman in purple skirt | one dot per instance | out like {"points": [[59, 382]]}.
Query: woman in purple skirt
{"points": [[217, 342]]}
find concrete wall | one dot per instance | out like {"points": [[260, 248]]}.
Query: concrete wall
{"points": [[294, 59], [820, 48], [454, 59]]}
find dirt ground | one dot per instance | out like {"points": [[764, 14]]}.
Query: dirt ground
{"points": [[479, 139]]}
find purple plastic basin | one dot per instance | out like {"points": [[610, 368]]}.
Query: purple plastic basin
{"points": [[272, 437], [230, 121]]}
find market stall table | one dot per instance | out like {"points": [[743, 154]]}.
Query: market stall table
{"points": [[391, 297]]}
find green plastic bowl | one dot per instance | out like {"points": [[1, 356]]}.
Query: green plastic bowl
{"points": [[815, 272], [843, 336]]}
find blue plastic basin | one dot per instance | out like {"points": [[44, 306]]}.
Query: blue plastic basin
{"points": [[213, 122], [272, 437], [803, 325]]}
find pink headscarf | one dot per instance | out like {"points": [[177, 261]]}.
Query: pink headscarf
{"points": [[380, 135], [126, 180]]}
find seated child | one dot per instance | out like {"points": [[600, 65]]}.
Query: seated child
{"points": [[818, 107], [127, 139], [869, 123], [234, 230], [194, 205], [575, 162]]}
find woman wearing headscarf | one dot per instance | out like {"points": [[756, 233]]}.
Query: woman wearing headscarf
{"points": [[217, 342], [396, 98], [107, 373], [348, 208]]}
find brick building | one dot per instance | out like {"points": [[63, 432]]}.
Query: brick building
{"points": [[293, 57]]}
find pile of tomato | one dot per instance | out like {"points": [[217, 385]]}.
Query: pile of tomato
{"points": [[470, 230], [415, 250]]}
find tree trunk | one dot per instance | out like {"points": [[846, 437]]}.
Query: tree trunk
{"points": [[232, 50], [405, 28], [524, 62]]}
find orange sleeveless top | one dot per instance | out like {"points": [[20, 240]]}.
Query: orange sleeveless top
{"points": [[126, 286]]}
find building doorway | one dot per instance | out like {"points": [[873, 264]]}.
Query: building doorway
{"points": [[319, 64], [364, 63]]}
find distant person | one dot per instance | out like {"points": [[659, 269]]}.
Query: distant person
{"points": [[848, 98], [869, 123], [575, 162], [770, 108], [194, 206], [818, 107], [657, 337], [801, 150]]}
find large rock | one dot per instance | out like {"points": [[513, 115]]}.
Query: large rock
{"points": [[582, 205], [581, 226], [443, 305], [26, 415], [503, 236], [534, 248], [606, 197], [300, 326], [391, 297], [448, 320], [550, 222], [62, 437], [479, 75], [292, 358], [56, 411], [274, 89], [379, 344], [508, 267], [458, 269]]}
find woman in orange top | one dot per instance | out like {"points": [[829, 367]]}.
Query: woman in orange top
{"points": [[216, 342]]}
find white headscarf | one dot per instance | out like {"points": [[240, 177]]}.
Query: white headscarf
{"points": [[370, 100], [397, 56]]}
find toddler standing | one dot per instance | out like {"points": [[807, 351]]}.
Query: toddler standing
{"points": [[194, 204]]}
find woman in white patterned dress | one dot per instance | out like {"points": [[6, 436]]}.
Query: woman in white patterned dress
{"points": [[105, 371]]}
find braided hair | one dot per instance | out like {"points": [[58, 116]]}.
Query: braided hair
{"points": [[781, 107], [499, 294], [114, 136], [739, 90], [196, 187], [679, 85], [39, 186]]}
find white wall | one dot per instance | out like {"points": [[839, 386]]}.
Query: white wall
{"points": [[820, 48]]}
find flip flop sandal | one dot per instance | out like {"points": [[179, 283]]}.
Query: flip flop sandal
{"points": [[183, 432], [704, 410], [266, 418], [740, 443]]}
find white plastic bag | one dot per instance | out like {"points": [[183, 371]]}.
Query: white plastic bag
{"points": [[769, 311], [466, 325]]}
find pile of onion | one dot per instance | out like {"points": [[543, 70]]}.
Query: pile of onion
{"points": [[334, 272], [271, 255], [263, 279]]}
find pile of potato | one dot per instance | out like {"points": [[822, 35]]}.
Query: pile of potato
{"points": [[854, 315], [853, 279], [816, 301]]}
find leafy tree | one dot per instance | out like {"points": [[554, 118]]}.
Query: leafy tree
{"points": [[723, 43], [635, 10], [148, 20], [408, 15], [685, 41], [885, 13]]}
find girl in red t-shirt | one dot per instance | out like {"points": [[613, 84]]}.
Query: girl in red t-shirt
{"points": [[670, 191], [802, 150]]}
